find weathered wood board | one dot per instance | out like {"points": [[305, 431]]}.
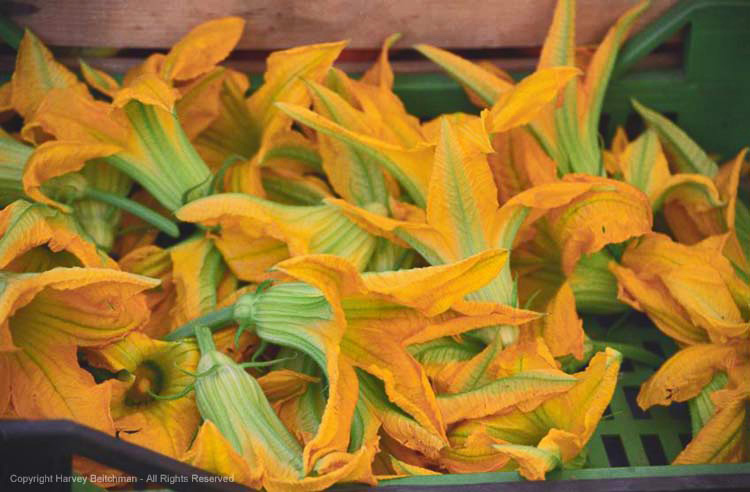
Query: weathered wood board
{"points": [[274, 24]]}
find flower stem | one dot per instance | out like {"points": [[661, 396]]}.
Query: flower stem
{"points": [[205, 339], [160, 222], [213, 320], [632, 352]]}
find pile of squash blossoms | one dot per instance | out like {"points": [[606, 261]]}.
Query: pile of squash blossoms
{"points": [[300, 284]]}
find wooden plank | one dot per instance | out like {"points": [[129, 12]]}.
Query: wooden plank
{"points": [[120, 65], [274, 24]]}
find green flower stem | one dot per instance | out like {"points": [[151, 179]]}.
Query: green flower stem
{"points": [[701, 407], [160, 222], [205, 339], [632, 352], [213, 321]]}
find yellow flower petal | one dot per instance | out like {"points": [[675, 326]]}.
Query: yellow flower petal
{"points": [[334, 468], [332, 435], [519, 163], [86, 306], [6, 101], [450, 283], [301, 414], [99, 79], [651, 296], [474, 459], [196, 266], [474, 314], [44, 317], [155, 262], [5, 385], [212, 452], [613, 157], [562, 329], [644, 165], [48, 383], [352, 173], [152, 64], [399, 426], [600, 68], [718, 313], [410, 166], [284, 384], [249, 258], [462, 195], [503, 394], [496, 361], [406, 383], [484, 83], [200, 103], [559, 45], [523, 103], [724, 438], [692, 206], [389, 321], [558, 428], [37, 73], [535, 203], [533, 463], [202, 48], [689, 273], [24, 226], [558, 50], [593, 394], [148, 89], [685, 374], [68, 115], [233, 131], [166, 426], [380, 73], [53, 159], [402, 468], [727, 182], [282, 82], [610, 213], [305, 229], [387, 114]]}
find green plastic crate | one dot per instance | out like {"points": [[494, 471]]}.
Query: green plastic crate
{"points": [[626, 435]]}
